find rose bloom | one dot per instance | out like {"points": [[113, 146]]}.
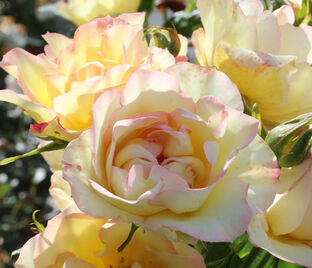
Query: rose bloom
{"points": [[73, 239], [262, 52], [167, 153], [285, 230], [83, 11], [61, 85]]}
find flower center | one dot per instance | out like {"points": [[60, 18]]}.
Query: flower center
{"points": [[165, 147]]}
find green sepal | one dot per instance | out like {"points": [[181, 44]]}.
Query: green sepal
{"points": [[290, 141], [255, 113], [39, 226]]}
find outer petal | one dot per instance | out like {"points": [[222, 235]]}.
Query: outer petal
{"points": [[53, 158], [285, 14], [234, 27], [154, 248], [206, 82], [287, 214], [126, 6], [283, 247], [297, 102], [261, 174], [57, 42], [224, 216], [297, 41], [118, 38], [251, 8], [236, 132], [61, 236], [248, 69], [76, 262], [184, 45], [160, 59], [60, 191], [53, 128], [133, 18], [89, 51], [29, 70], [36, 111], [70, 104], [144, 80], [198, 41], [81, 13], [268, 32]]}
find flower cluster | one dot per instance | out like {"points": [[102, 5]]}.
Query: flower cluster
{"points": [[156, 153]]}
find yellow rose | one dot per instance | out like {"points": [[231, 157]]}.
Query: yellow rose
{"points": [[61, 85], [73, 239], [286, 229], [83, 11], [166, 153], [263, 53]]}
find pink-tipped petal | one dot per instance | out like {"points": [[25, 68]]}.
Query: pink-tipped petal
{"points": [[224, 216], [60, 191], [53, 128], [283, 247], [36, 111], [144, 80], [29, 70], [57, 42], [205, 82]]}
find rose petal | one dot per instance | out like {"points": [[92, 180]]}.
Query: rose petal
{"points": [[36, 111], [285, 14], [283, 247], [297, 41], [261, 173], [223, 217], [144, 80], [53, 128], [29, 70], [60, 191], [234, 26], [248, 69], [57, 42], [288, 212], [297, 102], [206, 82]]}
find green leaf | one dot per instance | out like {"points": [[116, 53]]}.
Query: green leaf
{"points": [[242, 246], [284, 264], [53, 146], [185, 22], [4, 189], [147, 7], [253, 258], [191, 5], [301, 14], [247, 106], [39, 226]]}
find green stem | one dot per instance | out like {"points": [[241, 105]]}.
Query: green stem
{"points": [[127, 241], [56, 145]]}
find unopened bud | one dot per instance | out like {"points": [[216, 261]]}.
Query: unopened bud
{"points": [[290, 141], [164, 38]]}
